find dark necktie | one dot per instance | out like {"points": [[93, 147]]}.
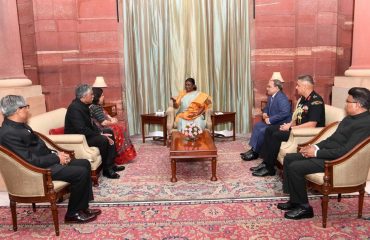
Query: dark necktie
{"points": [[272, 99]]}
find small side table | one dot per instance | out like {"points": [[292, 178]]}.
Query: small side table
{"points": [[111, 109], [151, 118], [223, 118]]}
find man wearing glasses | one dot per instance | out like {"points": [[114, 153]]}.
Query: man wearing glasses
{"points": [[18, 137], [351, 131]]}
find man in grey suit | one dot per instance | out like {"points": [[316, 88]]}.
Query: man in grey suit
{"points": [[276, 112]]}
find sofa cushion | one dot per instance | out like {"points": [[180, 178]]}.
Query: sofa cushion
{"points": [[56, 131]]}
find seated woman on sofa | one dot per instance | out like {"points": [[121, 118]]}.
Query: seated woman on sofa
{"points": [[125, 149], [191, 104]]}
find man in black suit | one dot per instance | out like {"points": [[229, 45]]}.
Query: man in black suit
{"points": [[352, 130], [18, 137], [310, 112], [78, 121]]}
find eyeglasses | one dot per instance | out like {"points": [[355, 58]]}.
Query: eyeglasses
{"points": [[25, 106], [351, 101]]}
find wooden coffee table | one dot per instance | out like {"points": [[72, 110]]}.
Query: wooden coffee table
{"points": [[201, 149]]}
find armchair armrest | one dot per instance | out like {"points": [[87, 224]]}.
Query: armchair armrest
{"points": [[351, 169], [170, 118], [305, 132], [323, 134], [55, 146], [77, 143]]}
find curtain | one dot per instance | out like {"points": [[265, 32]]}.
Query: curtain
{"points": [[167, 41]]}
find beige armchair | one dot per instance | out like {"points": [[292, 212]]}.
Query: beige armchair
{"points": [[44, 122], [346, 174], [26, 183], [171, 115], [301, 135]]}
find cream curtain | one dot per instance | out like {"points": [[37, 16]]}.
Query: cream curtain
{"points": [[167, 41]]}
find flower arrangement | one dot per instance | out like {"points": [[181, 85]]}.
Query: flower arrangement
{"points": [[192, 131]]}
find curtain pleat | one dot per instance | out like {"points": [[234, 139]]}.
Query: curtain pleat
{"points": [[167, 41]]}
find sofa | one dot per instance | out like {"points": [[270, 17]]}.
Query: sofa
{"points": [[54, 120], [302, 135]]}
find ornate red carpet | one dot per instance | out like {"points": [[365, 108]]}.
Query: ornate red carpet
{"points": [[144, 204], [147, 178], [220, 220]]}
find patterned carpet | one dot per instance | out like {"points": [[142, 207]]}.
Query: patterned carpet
{"points": [[147, 178], [144, 204], [240, 219]]}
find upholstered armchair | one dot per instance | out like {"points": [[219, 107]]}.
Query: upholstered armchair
{"points": [[346, 174], [54, 120], [301, 135], [26, 183], [171, 115]]}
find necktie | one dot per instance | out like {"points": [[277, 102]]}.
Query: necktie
{"points": [[272, 99]]}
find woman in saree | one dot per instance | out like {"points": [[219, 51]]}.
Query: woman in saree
{"points": [[125, 149], [192, 105]]}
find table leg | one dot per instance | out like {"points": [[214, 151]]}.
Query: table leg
{"points": [[233, 130], [213, 128], [164, 126], [214, 165], [173, 169], [142, 130]]}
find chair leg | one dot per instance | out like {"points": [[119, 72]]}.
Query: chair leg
{"points": [[13, 206], [339, 197], [360, 202], [34, 207], [54, 212], [324, 206]]}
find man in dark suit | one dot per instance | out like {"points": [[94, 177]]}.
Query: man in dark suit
{"points": [[78, 121], [276, 112], [18, 137], [310, 112], [311, 159]]}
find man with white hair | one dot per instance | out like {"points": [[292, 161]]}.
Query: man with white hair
{"points": [[18, 137], [78, 121]]}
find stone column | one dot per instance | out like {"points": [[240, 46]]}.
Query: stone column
{"points": [[358, 75], [11, 62], [12, 77], [361, 39]]}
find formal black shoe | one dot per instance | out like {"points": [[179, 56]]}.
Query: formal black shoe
{"points": [[96, 212], [110, 174], [263, 172], [258, 167], [286, 206], [250, 156], [79, 217], [118, 168], [247, 152], [299, 213]]}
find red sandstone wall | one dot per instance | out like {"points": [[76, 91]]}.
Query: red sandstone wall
{"points": [[67, 42], [299, 37]]}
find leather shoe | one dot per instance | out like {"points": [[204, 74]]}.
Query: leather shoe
{"points": [[250, 156], [79, 217], [95, 212], [247, 152], [258, 167], [286, 206], [118, 168], [299, 213], [110, 174], [263, 172]]}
